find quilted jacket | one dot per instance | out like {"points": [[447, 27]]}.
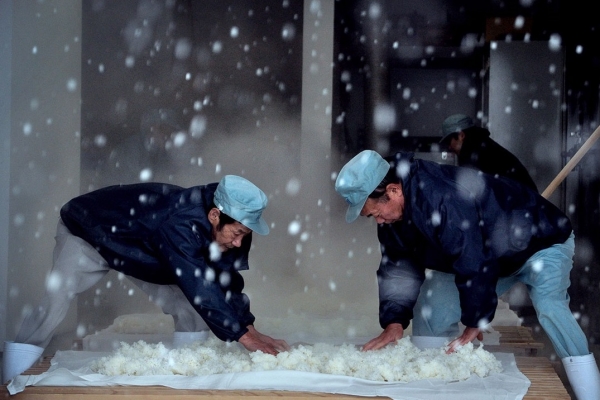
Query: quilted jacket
{"points": [[160, 233], [458, 220]]}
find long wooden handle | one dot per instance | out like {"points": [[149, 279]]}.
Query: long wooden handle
{"points": [[572, 163]]}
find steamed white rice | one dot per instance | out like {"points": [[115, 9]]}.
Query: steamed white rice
{"points": [[401, 362]]}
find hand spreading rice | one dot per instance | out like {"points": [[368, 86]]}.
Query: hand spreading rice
{"points": [[402, 362]]}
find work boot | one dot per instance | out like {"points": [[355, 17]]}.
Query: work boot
{"points": [[583, 375], [18, 358]]}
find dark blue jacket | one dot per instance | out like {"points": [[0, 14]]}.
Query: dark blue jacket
{"points": [[479, 151], [461, 221], [160, 233]]}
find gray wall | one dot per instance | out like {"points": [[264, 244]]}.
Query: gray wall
{"points": [[526, 80], [5, 93], [40, 124]]}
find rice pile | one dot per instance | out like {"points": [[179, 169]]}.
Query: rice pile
{"points": [[401, 362]]}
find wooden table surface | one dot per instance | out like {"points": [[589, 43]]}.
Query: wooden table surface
{"points": [[545, 383]]}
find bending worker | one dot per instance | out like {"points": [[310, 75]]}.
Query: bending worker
{"points": [[184, 247], [474, 148], [480, 234]]}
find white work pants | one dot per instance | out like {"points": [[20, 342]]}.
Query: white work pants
{"points": [[77, 267]]}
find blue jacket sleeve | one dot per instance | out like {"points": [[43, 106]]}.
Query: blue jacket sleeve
{"points": [[399, 280], [467, 250], [215, 293]]}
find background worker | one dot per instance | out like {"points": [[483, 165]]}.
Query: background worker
{"points": [[474, 148], [184, 247], [481, 234]]}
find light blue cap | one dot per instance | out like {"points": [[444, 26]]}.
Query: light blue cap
{"points": [[455, 123], [358, 179], [243, 201]]}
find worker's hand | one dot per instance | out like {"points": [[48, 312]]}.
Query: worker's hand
{"points": [[391, 334], [253, 340], [467, 336]]}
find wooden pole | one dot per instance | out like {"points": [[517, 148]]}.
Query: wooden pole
{"points": [[572, 163]]}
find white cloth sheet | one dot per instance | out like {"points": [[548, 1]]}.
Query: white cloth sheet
{"points": [[71, 368]]}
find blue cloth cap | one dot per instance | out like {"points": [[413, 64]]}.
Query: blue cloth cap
{"points": [[455, 123], [358, 179], [243, 201]]}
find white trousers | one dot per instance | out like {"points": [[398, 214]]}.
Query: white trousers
{"points": [[78, 266]]}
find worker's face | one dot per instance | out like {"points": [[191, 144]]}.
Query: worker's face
{"points": [[227, 236], [388, 208], [456, 142]]}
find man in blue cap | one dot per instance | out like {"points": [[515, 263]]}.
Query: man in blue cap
{"points": [[184, 247], [474, 148], [478, 235]]}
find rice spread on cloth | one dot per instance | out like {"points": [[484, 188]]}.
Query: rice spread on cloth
{"points": [[400, 362]]}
